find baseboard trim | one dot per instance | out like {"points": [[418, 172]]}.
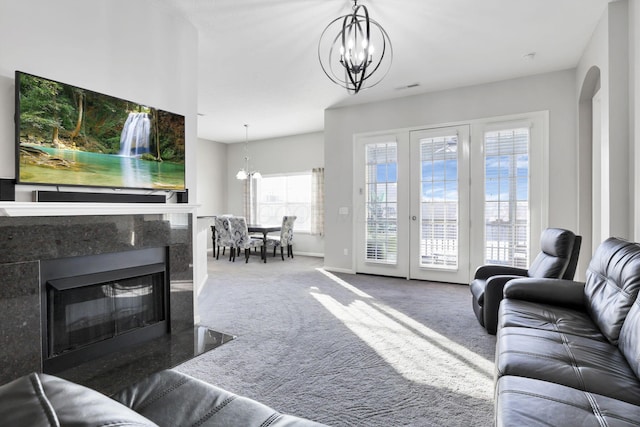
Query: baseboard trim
{"points": [[339, 270], [311, 254]]}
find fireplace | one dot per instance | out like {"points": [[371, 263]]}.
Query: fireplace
{"points": [[94, 305], [33, 234]]}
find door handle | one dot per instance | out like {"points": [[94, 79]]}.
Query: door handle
{"points": [[414, 217]]}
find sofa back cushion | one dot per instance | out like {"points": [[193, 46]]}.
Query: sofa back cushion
{"points": [[613, 281], [629, 341], [556, 248], [45, 400]]}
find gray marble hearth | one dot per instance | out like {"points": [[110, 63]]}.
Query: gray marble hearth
{"points": [[27, 240]]}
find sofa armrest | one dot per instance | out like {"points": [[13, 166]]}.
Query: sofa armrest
{"points": [[547, 291], [485, 271], [493, 294]]}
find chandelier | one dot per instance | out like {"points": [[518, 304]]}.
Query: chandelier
{"points": [[355, 47], [245, 173]]}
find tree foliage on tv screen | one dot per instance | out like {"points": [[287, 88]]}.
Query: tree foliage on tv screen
{"points": [[63, 116]]}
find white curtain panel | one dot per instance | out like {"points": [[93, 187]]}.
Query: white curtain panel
{"points": [[250, 200], [317, 201], [247, 208]]}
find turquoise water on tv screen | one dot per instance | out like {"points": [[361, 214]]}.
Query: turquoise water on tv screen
{"points": [[105, 170]]}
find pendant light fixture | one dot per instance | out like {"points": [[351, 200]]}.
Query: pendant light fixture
{"points": [[245, 173], [352, 48]]}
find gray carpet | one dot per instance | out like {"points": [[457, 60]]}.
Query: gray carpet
{"points": [[346, 350]]}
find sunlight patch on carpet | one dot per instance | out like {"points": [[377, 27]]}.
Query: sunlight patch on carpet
{"points": [[344, 283], [415, 351]]}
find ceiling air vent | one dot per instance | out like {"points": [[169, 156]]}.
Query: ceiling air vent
{"points": [[409, 86]]}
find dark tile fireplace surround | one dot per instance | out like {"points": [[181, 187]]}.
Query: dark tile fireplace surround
{"points": [[26, 242]]}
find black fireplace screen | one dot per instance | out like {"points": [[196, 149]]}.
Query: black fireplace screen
{"points": [[90, 308]]}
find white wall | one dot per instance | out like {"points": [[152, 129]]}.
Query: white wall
{"points": [[591, 73], [613, 50], [554, 92], [137, 50], [212, 183], [620, 195], [212, 177], [634, 109], [290, 154]]}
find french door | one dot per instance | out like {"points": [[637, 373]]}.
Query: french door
{"points": [[433, 204], [412, 204], [439, 217], [381, 195]]}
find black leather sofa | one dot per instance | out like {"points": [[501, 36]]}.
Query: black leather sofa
{"points": [[568, 353], [167, 398]]}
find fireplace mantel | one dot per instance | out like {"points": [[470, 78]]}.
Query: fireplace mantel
{"points": [[16, 209]]}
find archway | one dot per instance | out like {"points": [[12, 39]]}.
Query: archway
{"points": [[585, 152]]}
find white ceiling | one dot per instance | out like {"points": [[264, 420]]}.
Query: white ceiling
{"points": [[258, 59]]}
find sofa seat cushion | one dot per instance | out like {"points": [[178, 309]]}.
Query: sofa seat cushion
{"points": [[546, 317], [171, 398], [45, 400], [571, 360], [530, 402]]}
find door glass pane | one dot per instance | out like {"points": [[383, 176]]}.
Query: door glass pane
{"points": [[439, 202], [381, 202], [507, 197]]}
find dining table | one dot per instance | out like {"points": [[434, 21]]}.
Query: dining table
{"points": [[264, 230]]}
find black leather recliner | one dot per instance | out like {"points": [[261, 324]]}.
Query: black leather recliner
{"points": [[558, 259]]}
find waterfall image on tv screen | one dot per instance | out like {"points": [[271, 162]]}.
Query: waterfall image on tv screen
{"points": [[66, 135]]}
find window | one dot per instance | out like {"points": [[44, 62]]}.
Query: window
{"points": [[507, 197], [381, 200], [439, 202], [280, 195]]}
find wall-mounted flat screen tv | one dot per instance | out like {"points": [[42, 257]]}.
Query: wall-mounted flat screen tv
{"points": [[69, 136]]}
